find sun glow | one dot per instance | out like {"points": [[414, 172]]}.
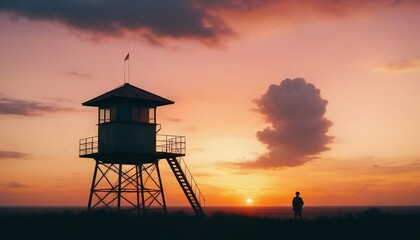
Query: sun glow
{"points": [[249, 201]]}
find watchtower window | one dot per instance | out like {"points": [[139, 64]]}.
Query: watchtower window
{"points": [[141, 114], [107, 114]]}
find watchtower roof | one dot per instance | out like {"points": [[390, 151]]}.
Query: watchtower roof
{"points": [[128, 91]]}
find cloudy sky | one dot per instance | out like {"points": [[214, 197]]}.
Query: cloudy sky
{"points": [[273, 96]]}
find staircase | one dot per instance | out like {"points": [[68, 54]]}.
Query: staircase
{"points": [[188, 184]]}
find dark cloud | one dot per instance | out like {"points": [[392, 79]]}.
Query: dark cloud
{"points": [[298, 129], [237, 5], [12, 155], [202, 20], [16, 185], [11, 106], [153, 19]]}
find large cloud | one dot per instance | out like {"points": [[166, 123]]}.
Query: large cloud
{"points": [[298, 131], [207, 21]]}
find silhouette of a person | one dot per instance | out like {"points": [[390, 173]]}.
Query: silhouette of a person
{"points": [[297, 204]]}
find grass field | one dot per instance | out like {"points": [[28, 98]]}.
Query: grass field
{"points": [[371, 224]]}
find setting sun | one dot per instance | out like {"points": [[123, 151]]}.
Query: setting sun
{"points": [[249, 201]]}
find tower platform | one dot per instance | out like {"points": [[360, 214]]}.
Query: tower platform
{"points": [[131, 158]]}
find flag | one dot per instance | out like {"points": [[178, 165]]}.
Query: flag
{"points": [[127, 57]]}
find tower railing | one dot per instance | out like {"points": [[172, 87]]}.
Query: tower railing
{"points": [[88, 145], [164, 144], [170, 144]]}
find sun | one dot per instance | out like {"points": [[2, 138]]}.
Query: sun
{"points": [[249, 200]]}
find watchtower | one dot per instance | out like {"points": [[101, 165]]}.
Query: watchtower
{"points": [[127, 152]]}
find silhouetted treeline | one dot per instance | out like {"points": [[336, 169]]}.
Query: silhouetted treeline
{"points": [[371, 224]]}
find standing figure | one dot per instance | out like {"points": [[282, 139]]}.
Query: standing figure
{"points": [[297, 204]]}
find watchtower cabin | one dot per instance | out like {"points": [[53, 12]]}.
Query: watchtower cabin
{"points": [[127, 152]]}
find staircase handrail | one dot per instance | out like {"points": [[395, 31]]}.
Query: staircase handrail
{"points": [[192, 182]]}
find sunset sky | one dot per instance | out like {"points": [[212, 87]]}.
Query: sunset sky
{"points": [[343, 130]]}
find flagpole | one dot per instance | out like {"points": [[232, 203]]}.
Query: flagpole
{"points": [[128, 70], [127, 58]]}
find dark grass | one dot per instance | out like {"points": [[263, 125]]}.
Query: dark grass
{"points": [[371, 224]]}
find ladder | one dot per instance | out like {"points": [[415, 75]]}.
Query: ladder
{"points": [[188, 184]]}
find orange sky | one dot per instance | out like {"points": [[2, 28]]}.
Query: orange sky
{"points": [[364, 59]]}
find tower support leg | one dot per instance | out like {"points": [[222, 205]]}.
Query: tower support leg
{"points": [[127, 185], [92, 186], [140, 171], [119, 187], [138, 190], [161, 188], [153, 198]]}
